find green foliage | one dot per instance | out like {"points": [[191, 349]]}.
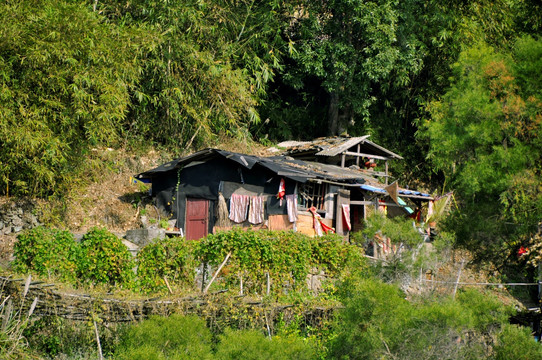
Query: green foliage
{"points": [[253, 345], [169, 258], [56, 337], [287, 256], [104, 259], [174, 337], [484, 138], [15, 319], [186, 337], [63, 87], [378, 323], [46, 252], [400, 230], [209, 68], [515, 343]]}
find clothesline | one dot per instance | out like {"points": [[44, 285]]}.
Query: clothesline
{"points": [[482, 284]]}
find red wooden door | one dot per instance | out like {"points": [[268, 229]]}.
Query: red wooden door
{"points": [[197, 218]]}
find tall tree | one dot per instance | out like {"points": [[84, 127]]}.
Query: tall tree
{"points": [[484, 136], [65, 82], [212, 64]]}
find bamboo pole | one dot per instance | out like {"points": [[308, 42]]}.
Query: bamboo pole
{"points": [[217, 272], [100, 355], [458, 276]]}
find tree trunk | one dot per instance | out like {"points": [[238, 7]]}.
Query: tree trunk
{"points": [[333, 114]]}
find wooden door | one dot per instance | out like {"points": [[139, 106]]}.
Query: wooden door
{"points": [[197, 218]]}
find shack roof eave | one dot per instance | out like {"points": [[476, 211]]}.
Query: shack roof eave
{"points": [[294, 169]]}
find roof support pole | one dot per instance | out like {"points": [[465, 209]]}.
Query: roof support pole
{"points": [[343, 159], [357, 158], [386, 163]]}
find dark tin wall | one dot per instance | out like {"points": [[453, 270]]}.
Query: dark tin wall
{"points": [[202, 181]]}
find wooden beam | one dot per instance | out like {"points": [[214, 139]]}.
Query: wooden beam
{"points": [[365, 155], [343, 159], [356, 202]]}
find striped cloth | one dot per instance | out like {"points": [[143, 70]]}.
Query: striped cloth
{"points": [[239, 207], [291, 205], [255, 213]]}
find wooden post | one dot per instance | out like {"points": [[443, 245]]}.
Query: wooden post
{"points": [[217, 272], [167, 284], [241, 284], [268, 289], [387, 175], [100, 355], [203, 275], [458, 276], [539, 282], [343, 159], [357, 158]]}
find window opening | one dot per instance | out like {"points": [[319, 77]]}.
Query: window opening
{"points": [[312, 194]]}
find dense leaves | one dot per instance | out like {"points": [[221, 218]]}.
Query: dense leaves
{"points": [[378, 323], [484, 136], [62, 89], [104, 259], [287, 257], [162, 261], [47, 252]]}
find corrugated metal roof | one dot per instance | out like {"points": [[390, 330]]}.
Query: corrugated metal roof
{"points": [[297, 170], [404, 192], [334, 146], [342, 145]]}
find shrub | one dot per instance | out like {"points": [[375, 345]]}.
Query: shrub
{"points": [[174, 338], [253, 345], [169, 258], [104, 259], [515, 343], [287, 256], [46, 252], [378, 323]]}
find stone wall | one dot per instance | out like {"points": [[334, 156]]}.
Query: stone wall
{"points": [[18, 216]]}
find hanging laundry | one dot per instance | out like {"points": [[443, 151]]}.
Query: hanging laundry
{"points": [[282, 191], [319, 226], [346, 216], [255, 213], [430, 210], [382, 208], [291, 205], [239, 207]]}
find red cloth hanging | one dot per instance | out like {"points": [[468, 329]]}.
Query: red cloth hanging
{"points": [[346, 216], [282, 191]]}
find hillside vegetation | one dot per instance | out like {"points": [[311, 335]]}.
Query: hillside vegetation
{"points": [[94, 91]]}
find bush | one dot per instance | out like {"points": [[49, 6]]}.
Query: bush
{"points": [[378, 323], [46, 252], [169, 258], [174, 338], [515, 343], [104, 259], [253, 345], [287, 256]]}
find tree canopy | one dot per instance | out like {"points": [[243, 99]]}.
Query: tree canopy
{"points": [[453, 86], [484, 136]]}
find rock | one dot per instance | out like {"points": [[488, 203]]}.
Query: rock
{"points": [[142, 237], [18, 222]]}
